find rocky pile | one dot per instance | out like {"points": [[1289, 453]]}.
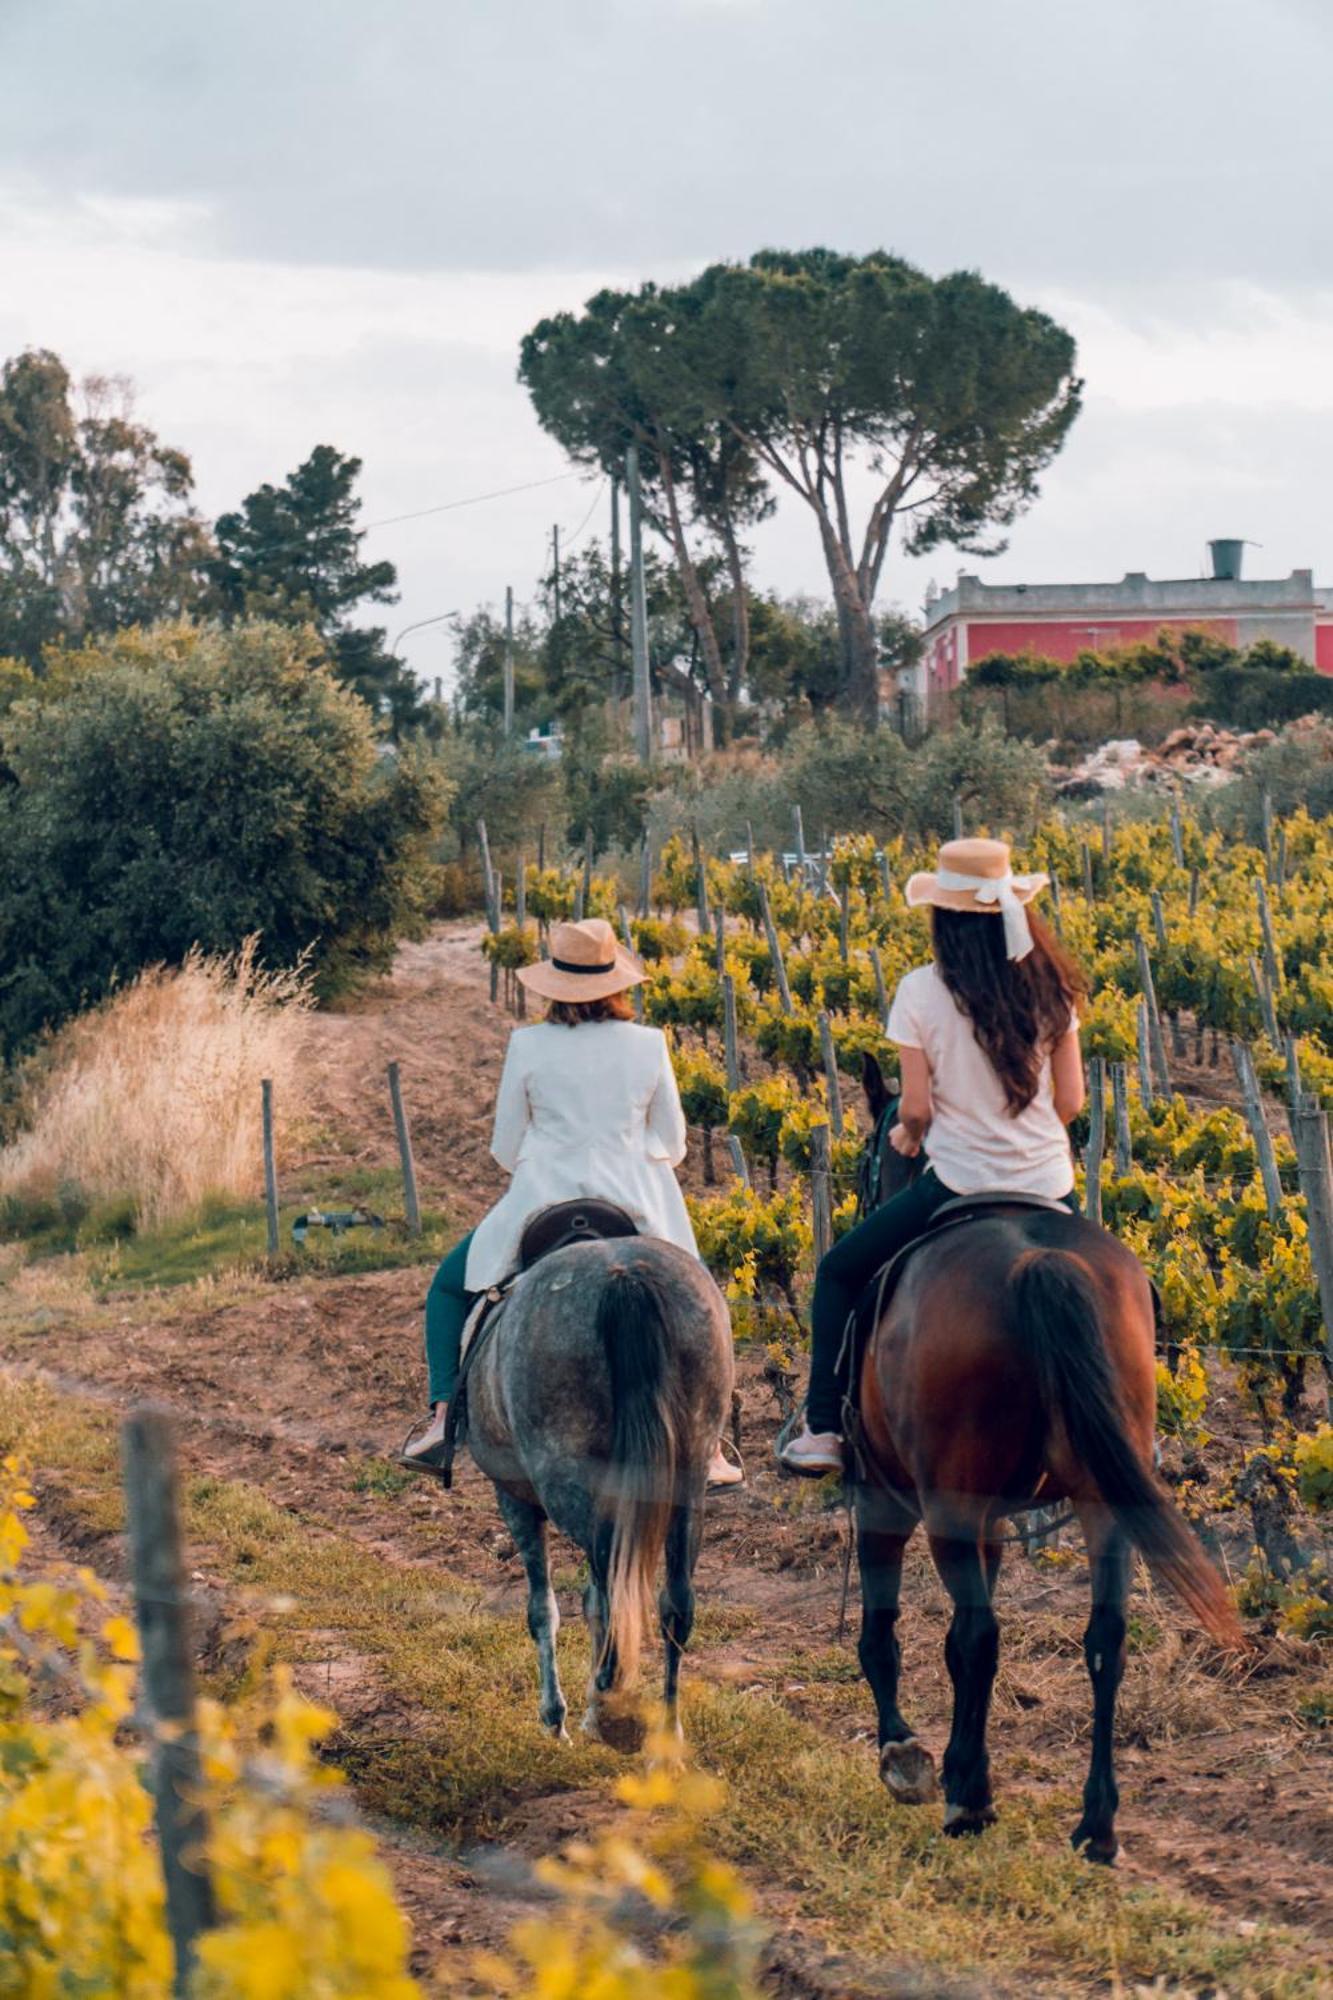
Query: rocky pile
{"points": [[1195, 754]]}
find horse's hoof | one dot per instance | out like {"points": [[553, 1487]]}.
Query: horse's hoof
{"points": [[619, 1728], [560, 1733], [907, 1771], [959, 1820], [1102, 1848]]}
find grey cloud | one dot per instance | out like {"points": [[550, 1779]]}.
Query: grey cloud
{"points": [[1036, 139]]}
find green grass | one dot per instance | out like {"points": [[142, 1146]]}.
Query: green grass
{"points": [[454, 1745], [383, 1478]]}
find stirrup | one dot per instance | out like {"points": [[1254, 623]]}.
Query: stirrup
{"points": [[731, 1452], [433, 1460]]}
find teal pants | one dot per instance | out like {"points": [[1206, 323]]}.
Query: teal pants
{"points": [[447, 1305]]}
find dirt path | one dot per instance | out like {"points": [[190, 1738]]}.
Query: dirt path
{"points": [[304, 1391]]}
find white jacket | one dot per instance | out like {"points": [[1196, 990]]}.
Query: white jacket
{"points": [[589, 1110]]}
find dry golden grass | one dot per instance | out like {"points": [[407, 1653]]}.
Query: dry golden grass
{"points": [[155, 1097]]}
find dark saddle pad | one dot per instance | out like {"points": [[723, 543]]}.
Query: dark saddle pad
{"points": [[572, 1222]]}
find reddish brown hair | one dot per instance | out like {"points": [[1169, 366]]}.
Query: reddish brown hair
{"points": [[569, 1013], [1020, 1008]]}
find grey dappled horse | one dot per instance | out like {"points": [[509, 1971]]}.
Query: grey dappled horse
{"points": [[596, 1406]]}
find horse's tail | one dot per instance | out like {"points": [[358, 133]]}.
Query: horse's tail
{"points": [[646, 1441], [1054, 1315]]}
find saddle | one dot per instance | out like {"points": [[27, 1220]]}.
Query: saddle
{"points": [[551, 1229]]}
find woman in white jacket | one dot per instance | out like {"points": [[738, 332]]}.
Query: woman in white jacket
{"points": [[587, 1107]]}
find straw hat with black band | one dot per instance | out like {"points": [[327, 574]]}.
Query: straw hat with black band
{"points": [[977, 875], [587, 962]]}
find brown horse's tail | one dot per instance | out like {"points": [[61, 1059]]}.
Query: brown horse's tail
{"points": [[1054, 1315], [646, 1441]]}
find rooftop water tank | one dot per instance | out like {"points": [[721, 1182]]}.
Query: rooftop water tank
{"points": [[1227, 558]]}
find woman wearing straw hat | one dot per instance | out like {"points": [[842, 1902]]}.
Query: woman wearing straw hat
{"points": [[587, 1108], [991, 1077]]}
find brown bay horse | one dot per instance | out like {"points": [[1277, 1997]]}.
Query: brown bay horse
{"points": [[1014, 1361]]}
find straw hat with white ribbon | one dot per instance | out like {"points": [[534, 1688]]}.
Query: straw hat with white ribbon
{"points": [[587, 962], [977, 875]]}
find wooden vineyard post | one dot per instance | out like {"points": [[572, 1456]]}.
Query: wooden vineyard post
{"points": [[1124, 1150], [1267, 1004], [1316, 1175], [521, 893], [411, 1206], [775, 952], [1156, 1046], [881, 990], [720, 936], [1159, 932], [1106, 831], [1194, 892], [646, 878], [161, 1606], [957, 816], [1096, 1152], [1085, 856], [885, 878], [700, 884], [749, 846], [845, 921], [730, 1038], [1271, 962], [1295, 1088], [799, 825], [821, 1190], [1252, 1101], [1146, 1092], [831, 1079], [1280, 865], [1177, 835], [628, 935], [492, 901], [1266, 814], [821, 872], [270, 1167], [740, 1165]]}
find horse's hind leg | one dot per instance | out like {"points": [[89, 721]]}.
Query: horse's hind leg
{"points": [[972, 1652], [883, 1528], [527, 1524], [1110, 1557], [676, 1603]]}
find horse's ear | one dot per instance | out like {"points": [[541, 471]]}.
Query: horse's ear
{"points": [[873, 1084]]}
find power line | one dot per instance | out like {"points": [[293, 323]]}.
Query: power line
{"points": [[473, 500]]}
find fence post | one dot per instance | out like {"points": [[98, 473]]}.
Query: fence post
{"points": [[411, 1206], [1316, 1175], [1295, 1088], [161, 1605], [821, 1189], [1177, 835], [1272, 963], [730, 1039], [1280, 865], [775, 951], [1096, 1139], [1146, 1091], [740, 1165], [628, 935], [881, 990], [1252, 1101], [1156, 1046], [800, 841], [1266, 813], [521, 893], [1267, 1004], [885, 878], [1085, 856], [720, 930], [831, 1079], [1124, 1148], [845, 921], [270, 1167], [700, 884]]}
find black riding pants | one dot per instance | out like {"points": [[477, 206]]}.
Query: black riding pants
{"points": [[846, 1271]]}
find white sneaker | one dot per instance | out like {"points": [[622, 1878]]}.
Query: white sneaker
{"points": [[813, 1453]]}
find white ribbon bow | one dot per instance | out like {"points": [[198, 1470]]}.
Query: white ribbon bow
{"points": [[1001, 889]]}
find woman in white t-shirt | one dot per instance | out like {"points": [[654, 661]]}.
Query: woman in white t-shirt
{"points": [[991, 1077]]}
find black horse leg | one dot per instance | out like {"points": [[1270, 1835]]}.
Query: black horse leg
{"points": [[972, 1652], [597, 1614], [1110, 1557], [676, 1603], [883, 1529], [527, 1524]]}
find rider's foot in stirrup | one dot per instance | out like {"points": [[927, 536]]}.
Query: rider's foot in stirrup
{"points": [[813, 1453], [722, 1471], [424, 1450]]}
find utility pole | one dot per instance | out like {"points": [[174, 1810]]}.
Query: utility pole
{"points": [[555, 562], [509, 660], [643, 710], [617, 608]]}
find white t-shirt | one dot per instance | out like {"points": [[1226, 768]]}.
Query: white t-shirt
{"points": [[974, 1142]]}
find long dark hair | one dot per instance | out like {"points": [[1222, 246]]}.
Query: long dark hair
{"points": [[1018, 1008]]}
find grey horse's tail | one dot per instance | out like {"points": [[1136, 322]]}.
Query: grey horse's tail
{"points": [[647, 1436]]}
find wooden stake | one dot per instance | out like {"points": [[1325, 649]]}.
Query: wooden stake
{"points": [[1316, 1175], [881, 990], [775, 952], [1156, 1046], [1272, 963], [700, 884], [1267, 1005], [957, 816], [845, 921], [411, 1206], [1096, 1139], [1252, 1102], [720, 932], [1124, 1150], [831, 1078], [1177, 835], [270, 1167], [1146, 1092], [161, 1606], [730, 1038], [740, 1165], [521, 893], [1089, 892], [821, 1190], [885, 878]]}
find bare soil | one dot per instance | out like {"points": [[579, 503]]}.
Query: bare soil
{"points": [[294, 1387]]}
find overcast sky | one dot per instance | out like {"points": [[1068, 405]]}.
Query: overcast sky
{"points": [[306, 221]]}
